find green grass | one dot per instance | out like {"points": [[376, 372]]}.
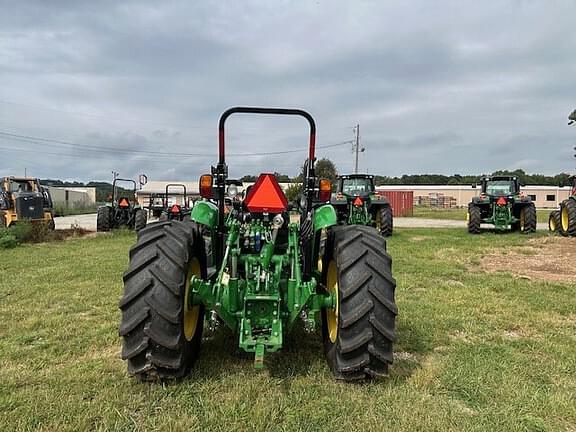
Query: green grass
{"points": [[79, 209], [477, 352], [460, 213]]}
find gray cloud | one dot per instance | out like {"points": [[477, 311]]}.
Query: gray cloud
{"points": [[447, 87]]}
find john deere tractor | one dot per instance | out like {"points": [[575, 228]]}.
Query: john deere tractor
{"points": [[356, 203], [502, 204], [563, 220], [23, 198], [175, 210], [273, 266], [122, 211]]}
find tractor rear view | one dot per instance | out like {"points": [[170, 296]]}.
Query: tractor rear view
{"points": [[357, 203], [177, 209], [563, 220], [122, 211], [273, 266], [502, 204]]}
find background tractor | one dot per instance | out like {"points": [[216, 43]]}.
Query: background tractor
{"points": [[273, 266], [23, 198], [502, 204], [175, 210], [122, 211], [356, 203], [155, 204], [563, 220]]}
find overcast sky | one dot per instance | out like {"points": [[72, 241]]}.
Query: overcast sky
{"points": [[437, 87]]}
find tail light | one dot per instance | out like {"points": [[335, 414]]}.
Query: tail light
{"points": [[206, 186], [325, 190], [501, 201], [358, 202]]}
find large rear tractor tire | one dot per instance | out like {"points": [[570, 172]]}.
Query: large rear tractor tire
{"points": [[554, 221], [359, 331], [385, 221], [528, 219], [474, 219], [568, 217], [103, 219], [140, 219], [161, 333]]}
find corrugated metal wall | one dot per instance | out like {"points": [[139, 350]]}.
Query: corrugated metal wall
{"points": [[402, 202]]}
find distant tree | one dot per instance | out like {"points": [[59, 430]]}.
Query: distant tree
{"points": [[293, 192], [325, 168]]}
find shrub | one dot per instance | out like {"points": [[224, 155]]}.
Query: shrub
{"points": [[7, 241]]}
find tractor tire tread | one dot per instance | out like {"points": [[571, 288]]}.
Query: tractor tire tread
{"points": [[474, 219], [152, 309], [367, 310]]}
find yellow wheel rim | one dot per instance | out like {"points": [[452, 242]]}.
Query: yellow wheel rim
{"points": [[468, 217], [191, 314], [332, 314], [552, 224], [379, 220], [565, 219], [522, 220]]}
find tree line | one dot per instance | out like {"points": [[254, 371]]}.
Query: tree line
{"points": [[325, 168]]}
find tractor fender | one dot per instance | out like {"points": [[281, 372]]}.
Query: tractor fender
{"points": [[324, 216], [205, 213]]}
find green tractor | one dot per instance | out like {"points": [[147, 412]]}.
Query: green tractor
{"points": [[502, 204], [356, 203], [563, 220], [175, 210], [122, 211], [273, 266]]}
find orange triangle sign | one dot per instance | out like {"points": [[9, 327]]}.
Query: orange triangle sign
{"points": [[124, 203], [358, 202], [266, 196]]}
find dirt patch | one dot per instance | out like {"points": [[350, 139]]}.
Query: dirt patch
{"points": [[549, 259], [70, 233]]}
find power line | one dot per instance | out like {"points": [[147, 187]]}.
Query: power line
{"points": [[102, 149]]}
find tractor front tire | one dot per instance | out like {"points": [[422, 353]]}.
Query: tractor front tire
{"points": [[140, 219], [161, 333], [474, 219], [360, 331], [568, 217], [103, 219], [528, 219], [386, 222], [554, 221]]}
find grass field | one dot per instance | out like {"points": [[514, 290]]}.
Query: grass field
{"points": [[476, 351], [460, 213]]}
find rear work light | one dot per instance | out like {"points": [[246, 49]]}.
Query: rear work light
{"points": [[325, 190], [266, 196], [206, 186]]}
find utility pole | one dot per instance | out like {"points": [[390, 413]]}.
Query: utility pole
{"points": [[25, 172], [115, 175], [356, 146]]}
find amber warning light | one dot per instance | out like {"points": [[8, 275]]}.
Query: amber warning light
{"points": [[266, 196]]}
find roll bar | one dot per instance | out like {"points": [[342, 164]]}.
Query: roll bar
{"points": [[221, 170], [122, 180]]}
